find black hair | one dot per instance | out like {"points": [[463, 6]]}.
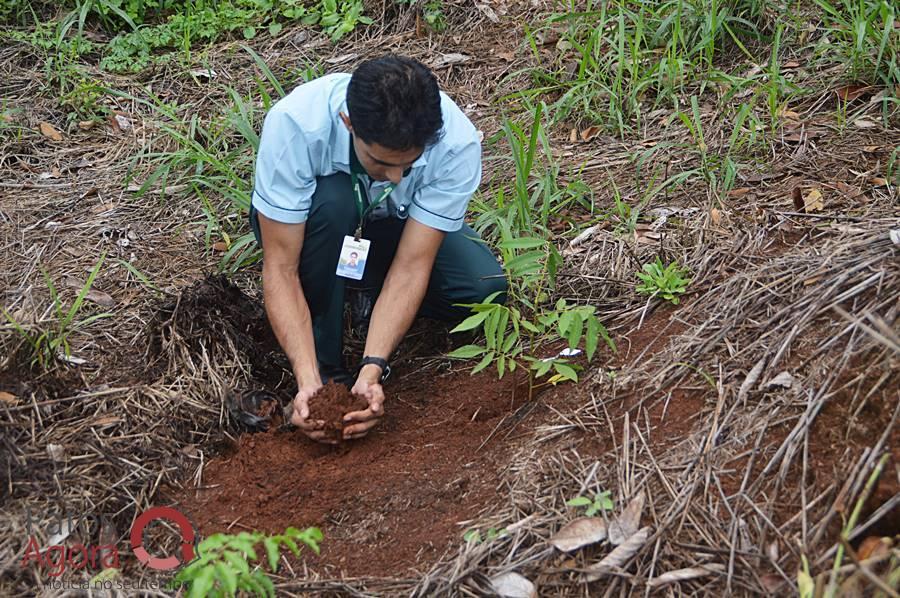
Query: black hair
{"points": [[394, 101]]}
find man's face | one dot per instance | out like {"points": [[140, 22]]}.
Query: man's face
{"points": [[381, 163]]}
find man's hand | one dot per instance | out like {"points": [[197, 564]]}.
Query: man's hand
{"points": [[368, 387], [315, 429]]}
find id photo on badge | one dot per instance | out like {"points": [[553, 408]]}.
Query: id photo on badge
{"points": [[352, 261]]}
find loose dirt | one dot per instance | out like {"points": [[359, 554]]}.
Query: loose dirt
{"points": [[330, 405], [388, 502]]}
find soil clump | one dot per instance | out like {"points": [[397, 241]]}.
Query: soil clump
{"points": [[331, 404]]}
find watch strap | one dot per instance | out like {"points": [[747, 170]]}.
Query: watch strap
{"points": [[380, 362]]}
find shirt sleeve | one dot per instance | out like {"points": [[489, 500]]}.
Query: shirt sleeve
{"points": [[285, 176], [441, 204]]}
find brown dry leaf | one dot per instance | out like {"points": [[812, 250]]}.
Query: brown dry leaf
{"points": [[813, 201], [625, 525], [848, 93], [878, 181], [874, 547], [50, 132], [220, 246], [715, 216], [739, 192], [618, 557], [100, 298], [590, 133], [8, 398], [579, 532], [89, 193]]}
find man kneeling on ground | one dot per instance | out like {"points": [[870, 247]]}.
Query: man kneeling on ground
{"points": [[380, 164]]}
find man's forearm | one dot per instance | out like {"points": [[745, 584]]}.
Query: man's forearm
{"points": [[290, 319], [397, 305]]}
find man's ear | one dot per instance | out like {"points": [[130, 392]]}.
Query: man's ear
{"points": [[346, 120]]}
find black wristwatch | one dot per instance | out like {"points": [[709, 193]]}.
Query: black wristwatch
{"points": [[382, 363]]}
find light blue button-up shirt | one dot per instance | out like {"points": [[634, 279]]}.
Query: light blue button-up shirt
{"points": [[303, 137]]}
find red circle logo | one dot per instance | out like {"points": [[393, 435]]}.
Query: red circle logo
{"points": [[188, 537]]}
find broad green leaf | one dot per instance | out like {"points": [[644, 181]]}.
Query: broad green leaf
{"points": [[579, 501], [501, 328], [271, 546], [565, 322], [490, 329], [592, 338], [604, 500], [529, 327], [467, 352], [566, 371], [575, 330], [227, 576], [263, 580], [509, 341], [525, 263], [291, 544], [203, 583], [541, 368], [471, 322], [501, 365], [486, 361], [237, 561]]}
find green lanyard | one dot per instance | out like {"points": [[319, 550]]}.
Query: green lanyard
{"points": [[356, 169]]}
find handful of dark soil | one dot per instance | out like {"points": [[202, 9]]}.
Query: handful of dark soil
{"points": [[331, 404]]}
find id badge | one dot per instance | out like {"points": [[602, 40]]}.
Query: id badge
{"points": [[352, 261]]}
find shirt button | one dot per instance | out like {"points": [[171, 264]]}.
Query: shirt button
{"points": [[401, 209]]}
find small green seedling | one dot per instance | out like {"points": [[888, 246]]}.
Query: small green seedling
{"points": [[474, 536], [600, 502], [222, 568], [667, 282]]}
